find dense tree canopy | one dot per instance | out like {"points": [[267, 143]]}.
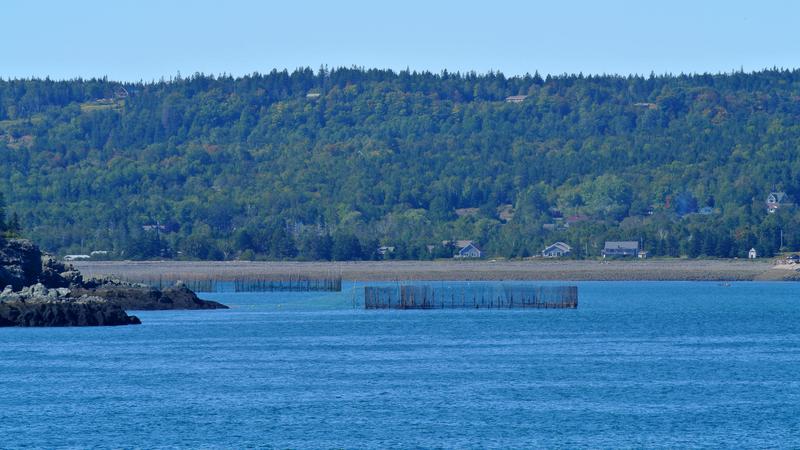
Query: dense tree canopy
{"points": [[9, 227], [334, 163]]}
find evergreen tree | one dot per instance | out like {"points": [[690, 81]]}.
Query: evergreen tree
{"points": [[346, 247], [14, 226]]}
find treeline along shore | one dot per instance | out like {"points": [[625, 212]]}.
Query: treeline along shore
{"points": [[365, 164], [567, 270]]}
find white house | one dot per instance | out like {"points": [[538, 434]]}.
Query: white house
{"points": [[469, 251], [775, 200], [752, 254], [76, 257], [385, 249], [516, 98], [556, 250], [154, 227]]}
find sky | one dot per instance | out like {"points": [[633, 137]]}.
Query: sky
{"points": [[147, 40]]}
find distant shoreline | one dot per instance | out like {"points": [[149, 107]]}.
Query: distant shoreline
{"points": [[447, 270]]}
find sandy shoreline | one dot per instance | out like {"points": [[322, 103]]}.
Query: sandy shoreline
{"points": [[567, 270]]}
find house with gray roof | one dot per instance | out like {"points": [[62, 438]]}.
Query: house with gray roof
{"points": [[776, 200], [556, 250], [469, 251], [620, 249]]}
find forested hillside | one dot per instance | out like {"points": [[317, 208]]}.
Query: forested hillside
{"points": [[335, 163]]}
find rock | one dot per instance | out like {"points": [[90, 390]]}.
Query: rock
{"points": [[148, 298], [38, 306], [84, 311], [185, 298], [58, 274], [43, 291], [20, 263], [38, 290], [96, 281], [72, 277], [23, 264]]}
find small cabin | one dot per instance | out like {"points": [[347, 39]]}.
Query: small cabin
{"points": [[557, 250], [469, 251], [752, 254]]}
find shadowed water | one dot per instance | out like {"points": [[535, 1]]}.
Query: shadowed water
{"points": [[636, 365]]}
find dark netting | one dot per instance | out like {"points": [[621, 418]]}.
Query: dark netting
{"points": [[411, 296]]}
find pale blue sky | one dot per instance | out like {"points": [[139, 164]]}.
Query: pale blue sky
{"points": [[145, 39]]}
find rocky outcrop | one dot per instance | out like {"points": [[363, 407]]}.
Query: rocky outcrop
{"points": [[38, 306], [43, 291], [109, 281], [56, 274], [20, 263], [138, 297], [129, 296]]}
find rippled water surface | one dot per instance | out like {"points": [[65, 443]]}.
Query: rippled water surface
{"points": [[637, 365]]}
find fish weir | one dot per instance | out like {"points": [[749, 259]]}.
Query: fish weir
{"points": [[280, 283], [504, 296], [289, 284]]}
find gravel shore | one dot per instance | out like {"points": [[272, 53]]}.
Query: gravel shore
{"points": [[627, 270]]}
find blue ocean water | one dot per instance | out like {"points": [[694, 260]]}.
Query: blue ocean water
{"points": [[636, 365]]}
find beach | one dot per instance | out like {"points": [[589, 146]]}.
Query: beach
{"points": [[457, 270]]}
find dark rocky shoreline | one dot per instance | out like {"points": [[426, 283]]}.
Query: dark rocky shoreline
{"points": [[145, 298], [38, 306], [41, 291]]}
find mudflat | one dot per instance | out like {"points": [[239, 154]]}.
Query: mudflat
{"points": [[585, 270]]}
